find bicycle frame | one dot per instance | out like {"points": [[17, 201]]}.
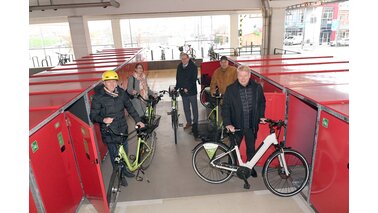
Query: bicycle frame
{"points": [[123, 155], [268, 141]]}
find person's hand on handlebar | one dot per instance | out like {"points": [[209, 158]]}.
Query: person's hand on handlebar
{"points": [[186, 90], [141, 124], [263, 120], [134, 92], [230, 128]]}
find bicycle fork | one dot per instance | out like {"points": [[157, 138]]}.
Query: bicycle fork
{"points": [[281, 159]]}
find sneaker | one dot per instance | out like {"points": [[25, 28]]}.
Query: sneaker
{"points": [[124, 181], [187, 126], [253, 173], [127, 173]]}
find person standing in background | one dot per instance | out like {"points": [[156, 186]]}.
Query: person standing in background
{"points": [[186, 78], [137, 84]]}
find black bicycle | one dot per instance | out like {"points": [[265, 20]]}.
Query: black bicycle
{"points": [[174, 93]]}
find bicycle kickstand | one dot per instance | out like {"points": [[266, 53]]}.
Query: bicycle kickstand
{"points": [[139, 177], [246, 184]]}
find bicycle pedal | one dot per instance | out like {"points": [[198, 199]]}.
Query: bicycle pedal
{"points": [[132, 157], [180, 125]]}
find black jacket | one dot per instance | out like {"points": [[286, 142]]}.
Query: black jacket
{"points": [[232, 109], [187, 78], [104, 105]]}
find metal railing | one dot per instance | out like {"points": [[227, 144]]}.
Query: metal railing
{"points": [[280, 51]]}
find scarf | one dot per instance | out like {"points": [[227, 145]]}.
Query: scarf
{"points": [[113, 94], [143, 88]]}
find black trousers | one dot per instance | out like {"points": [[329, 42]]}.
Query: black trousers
{"points": [[250, 139]]}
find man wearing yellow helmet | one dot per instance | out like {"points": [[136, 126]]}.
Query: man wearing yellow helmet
{"points": [[108, 105]]}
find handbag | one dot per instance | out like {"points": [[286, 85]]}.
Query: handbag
{"points": [[130, 95]]}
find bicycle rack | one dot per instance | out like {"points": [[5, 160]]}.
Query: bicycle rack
{"points": [[49, 59], [34, 62], [47, 63]]}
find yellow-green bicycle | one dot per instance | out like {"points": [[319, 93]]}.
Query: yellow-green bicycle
{"points": [[145, 151]]}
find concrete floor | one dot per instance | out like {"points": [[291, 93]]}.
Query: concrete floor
{"points": [[173, 185]]}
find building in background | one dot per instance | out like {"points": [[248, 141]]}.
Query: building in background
{"points": [[318, 24]]}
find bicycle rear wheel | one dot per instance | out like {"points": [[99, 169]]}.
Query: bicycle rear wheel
{"points": [[205, 97], [175, 124], [202, 156], [148, 149], [114, 187], [277, 181]]}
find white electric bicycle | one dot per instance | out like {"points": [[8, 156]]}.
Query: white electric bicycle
{"points": [[285, 172]]}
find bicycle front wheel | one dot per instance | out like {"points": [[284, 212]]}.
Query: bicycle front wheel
{"points": [[275, 178], [114, 186], [148, 149], [203, 154]]}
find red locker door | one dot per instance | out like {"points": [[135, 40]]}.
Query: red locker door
{"points": [[331, 173], [88, 161], [53, 165]]}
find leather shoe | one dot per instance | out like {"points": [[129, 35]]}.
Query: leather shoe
{"points": [[253, 173], [187, 126], [124, 181], [127, 173]]}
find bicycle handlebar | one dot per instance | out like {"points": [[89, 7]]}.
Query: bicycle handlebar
{"points": [[151, 99], [278, 123]]}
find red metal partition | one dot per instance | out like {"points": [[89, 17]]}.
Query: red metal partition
{"points": [[88, 162], [53, 164], [331, 167]]}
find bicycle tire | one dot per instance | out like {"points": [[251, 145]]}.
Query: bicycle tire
{"points": [[202, 167], [275, 179], [175, 124], [114, 186], [144, 150], [203, 97]]}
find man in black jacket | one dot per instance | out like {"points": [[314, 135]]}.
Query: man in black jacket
{"points": [[186, 78], [243, 108], [108, 109]]}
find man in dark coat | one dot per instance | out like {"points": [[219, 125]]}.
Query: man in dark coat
{"points": [[108, 109], [186, 78], [243, 108]]}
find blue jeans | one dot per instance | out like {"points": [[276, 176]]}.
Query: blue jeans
{"points": [[113, 151]]}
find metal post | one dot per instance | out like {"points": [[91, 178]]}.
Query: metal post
{"points": [[172, 54], [152, 55], [202, 52], [35, 191], [314, 151]]}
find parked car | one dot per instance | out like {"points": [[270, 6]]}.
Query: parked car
{"points": [[340, 42], [343, 42], [291, 40]]}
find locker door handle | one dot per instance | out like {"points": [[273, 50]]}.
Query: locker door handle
{"points": [[348, 166]]}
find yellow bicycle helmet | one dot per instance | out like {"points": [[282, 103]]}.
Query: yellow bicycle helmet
{"points": [[109, 75]]}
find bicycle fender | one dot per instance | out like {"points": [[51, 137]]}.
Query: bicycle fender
{"points": [[202, 143]]}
